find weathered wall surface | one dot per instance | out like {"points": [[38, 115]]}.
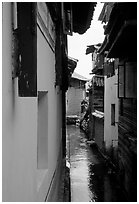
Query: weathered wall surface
{"points": [[74, 98], [99, 131], [46, 81], [19, 128], [75, 95], [127, 139], [111, 97], [24, 178]]}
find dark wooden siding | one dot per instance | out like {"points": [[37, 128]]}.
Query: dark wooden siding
{"points": [[127, 139], [98, 98]]}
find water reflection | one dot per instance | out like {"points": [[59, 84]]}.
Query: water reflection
{"points": [[90, 178]]}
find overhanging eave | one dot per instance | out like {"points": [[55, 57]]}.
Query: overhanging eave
{"points": [[126, 38]]}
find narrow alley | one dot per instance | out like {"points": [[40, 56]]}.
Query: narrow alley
{"points": [[91, 179], [69, 101]]}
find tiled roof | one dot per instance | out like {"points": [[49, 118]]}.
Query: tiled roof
{"points": [[82, 15], [78, 76]]}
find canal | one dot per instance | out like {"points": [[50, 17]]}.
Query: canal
{"points": [[91, 179]]}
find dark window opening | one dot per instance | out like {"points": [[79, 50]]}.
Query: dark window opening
{"points": [[113, 114]]}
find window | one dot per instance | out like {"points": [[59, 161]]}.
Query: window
{"points": [[127, 80], [42, 142], [131, 80], [113, 114]]}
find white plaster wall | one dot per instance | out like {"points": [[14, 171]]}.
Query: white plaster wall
{"points": [[110, 97], [46, 82], [18, 128], [21, 180], [74, 98]]}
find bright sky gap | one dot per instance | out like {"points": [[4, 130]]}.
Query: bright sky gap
{"points": [[77, 44]]}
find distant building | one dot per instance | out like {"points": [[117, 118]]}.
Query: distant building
{"points": [[96, 97], [76, 94]]}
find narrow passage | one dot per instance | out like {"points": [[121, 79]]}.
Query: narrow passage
{"points": [[91, 179]]}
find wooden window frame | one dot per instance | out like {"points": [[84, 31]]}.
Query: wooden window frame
{"points": [[127, 82], [121, 69]]}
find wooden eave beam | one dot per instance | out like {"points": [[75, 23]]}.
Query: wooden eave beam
{"points": [[119, 35]]}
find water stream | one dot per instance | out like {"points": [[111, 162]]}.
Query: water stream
{"points": [[91, 179]]}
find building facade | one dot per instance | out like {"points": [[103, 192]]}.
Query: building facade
{"points": [[116, 60], [119, 48], [96, 97], [76, 94], [35, 79], [32, 149]]}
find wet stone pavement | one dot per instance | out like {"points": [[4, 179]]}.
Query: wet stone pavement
{"points": [[91, 179]]}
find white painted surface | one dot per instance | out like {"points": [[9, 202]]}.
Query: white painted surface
{"points": [[18, 128], [21, 180], [110, 131], [74, 98], [46, 82], [42, 132], [19, 138]]}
